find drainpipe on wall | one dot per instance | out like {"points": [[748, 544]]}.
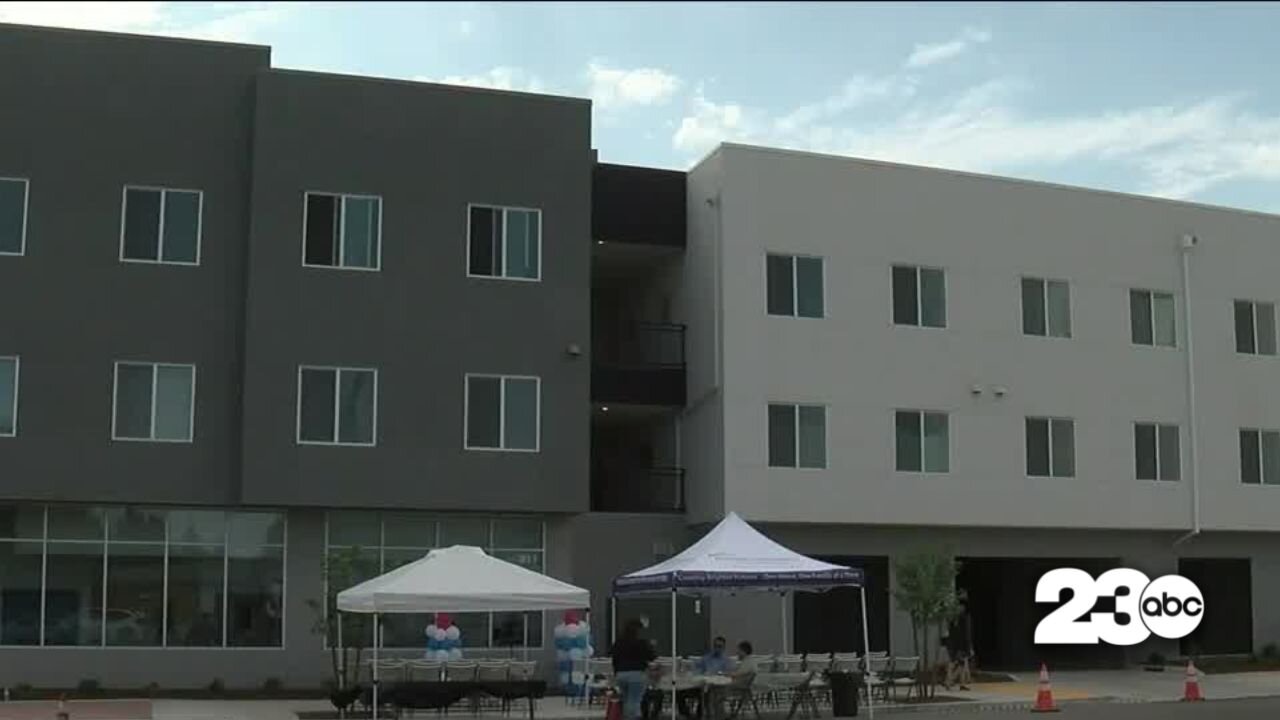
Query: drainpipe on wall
{"points": [[1189, 243]]}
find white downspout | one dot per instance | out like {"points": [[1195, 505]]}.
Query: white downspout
{"points": [[1189, 243]]}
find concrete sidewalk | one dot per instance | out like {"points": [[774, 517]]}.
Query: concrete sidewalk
{"points": [[1126, 686]]}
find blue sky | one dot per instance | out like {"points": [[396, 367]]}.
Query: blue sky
{"points": [[1180, 100]]}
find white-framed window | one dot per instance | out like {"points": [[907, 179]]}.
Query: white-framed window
{"points": [[1046, 307], [794, 285], [341, 230], [1255, 327], [9, 396], [1157, 453], [504, 242], [153, 402], [919, 296], [1051, 447], [337, 405], [1151, 318], [503, 412], [1259, 456], [160, 225], [922, 441], [797, 436], [13, 215]]}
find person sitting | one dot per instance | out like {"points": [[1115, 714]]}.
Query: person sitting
{"points": [[715, 662], [746, 667]]}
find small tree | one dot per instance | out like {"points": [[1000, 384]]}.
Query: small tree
{"points": [[926, 590], [343, 568]]}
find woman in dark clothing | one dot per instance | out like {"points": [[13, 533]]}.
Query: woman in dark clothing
{"points": [[632, 656], [959, 652]]}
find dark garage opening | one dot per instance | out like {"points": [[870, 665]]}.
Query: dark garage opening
{"points": [[1001, 596], [1227, 625], [831, 621]]}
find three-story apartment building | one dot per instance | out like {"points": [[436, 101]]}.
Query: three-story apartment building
{"points": [[255, 317]]}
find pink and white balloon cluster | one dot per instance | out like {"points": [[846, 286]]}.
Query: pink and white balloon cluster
{"points": [[444, 639], [573, 646]]}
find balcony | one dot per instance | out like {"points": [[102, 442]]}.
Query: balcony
{"points": [[638, 490], [638, 205], [640, 364]]}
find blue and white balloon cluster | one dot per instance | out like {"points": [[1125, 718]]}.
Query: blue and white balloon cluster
{"points": [[444, 639], [573, 645]]}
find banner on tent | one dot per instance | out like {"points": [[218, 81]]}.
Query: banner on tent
{"points": [[693, 579]]}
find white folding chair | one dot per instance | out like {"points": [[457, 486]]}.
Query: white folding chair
{"points": [[844, 662], [424, 670], [905, 672], [879, 667], [460, 671]]}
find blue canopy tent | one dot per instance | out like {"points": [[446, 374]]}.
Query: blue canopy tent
{"points": [[736, 557]]}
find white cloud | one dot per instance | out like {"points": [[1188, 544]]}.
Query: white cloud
{"points": [[498, 78], [115, 16], [613, 88], [926, 54], [1176, 150], [708, 123], [240, 22]]}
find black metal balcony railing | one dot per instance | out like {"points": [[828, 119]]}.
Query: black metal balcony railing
{"points": [[638, 490], [642, 363]]}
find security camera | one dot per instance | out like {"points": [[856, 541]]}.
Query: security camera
{"points": [[1189, 241]]}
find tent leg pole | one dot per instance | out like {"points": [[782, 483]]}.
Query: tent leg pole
{"points": [[375, 666], [675, 657], [613, 621], [866, 649], [524, 643], [342, 655], [783, 603]]}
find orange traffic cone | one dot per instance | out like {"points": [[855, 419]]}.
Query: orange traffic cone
{"points": [[1044, 695], [1191, 690]]}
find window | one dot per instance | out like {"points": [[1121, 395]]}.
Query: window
{"points": [[380, 542], [1156, 453], [502, 412], [13, 216], [159, 225], [794, 285], [8, 396], [154, 401], [342, 231], [1255, 327], [337, 406], [797, 436], [1151, 318], [504, 242], [1260, 457], [1051, 447], [170, 578], [1046, 307], [922, 441], [919, 296]]}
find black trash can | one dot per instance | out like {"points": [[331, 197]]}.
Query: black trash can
{"points": [[844, 693]]}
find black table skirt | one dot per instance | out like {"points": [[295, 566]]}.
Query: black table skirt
{"points": [[438, 694]]}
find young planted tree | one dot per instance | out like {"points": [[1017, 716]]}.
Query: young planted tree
{"points": [[343, 568], [926, 590]]}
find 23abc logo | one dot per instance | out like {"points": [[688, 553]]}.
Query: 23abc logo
{"points": [[1170, 606]]}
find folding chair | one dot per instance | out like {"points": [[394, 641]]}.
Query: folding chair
{"points": [[424, 670], [879, 670], [905, 673], [740, 693]]}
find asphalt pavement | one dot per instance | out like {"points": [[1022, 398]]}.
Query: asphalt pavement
{"points": [[1247, 709]]}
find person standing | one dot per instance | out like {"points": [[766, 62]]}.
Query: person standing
{"points": [[959, 653], [632, 655]]}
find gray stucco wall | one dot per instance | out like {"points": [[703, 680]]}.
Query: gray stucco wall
{"points": [[84, 114], [428, 151]]}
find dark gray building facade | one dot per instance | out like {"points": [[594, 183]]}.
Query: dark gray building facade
{"points": [[259, 316]]}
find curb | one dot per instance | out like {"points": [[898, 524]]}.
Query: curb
{"points": [[1011, 706]]}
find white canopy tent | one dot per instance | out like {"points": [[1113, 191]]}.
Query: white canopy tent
{"points": [[457, 579], [736, 557]]}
